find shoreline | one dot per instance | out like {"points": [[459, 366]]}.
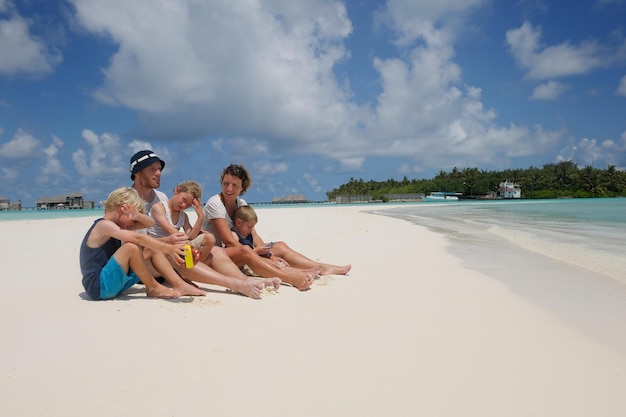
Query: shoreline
{"points": [[594, 302], [408, 330]]}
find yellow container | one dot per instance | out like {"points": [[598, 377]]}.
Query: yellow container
{"points": [[188, 256]]}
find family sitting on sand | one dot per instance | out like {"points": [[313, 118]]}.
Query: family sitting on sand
{"points": [[143, 233]]}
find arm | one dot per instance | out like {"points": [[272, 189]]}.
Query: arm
{"points": [[174, 236], [224, 232], [158, 214], [140, 220], [107, 229], [194, 231]]}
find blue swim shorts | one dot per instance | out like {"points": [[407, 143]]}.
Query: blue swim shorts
{"points": [[113, 280]]}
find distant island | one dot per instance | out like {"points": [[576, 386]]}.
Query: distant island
{"points": [[555, 180], [291, 199]]}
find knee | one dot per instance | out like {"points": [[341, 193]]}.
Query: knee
{"points": [[208, 239], [280, 245], [246, 252], [132, 249]]}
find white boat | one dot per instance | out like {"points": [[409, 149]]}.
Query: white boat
{"points": [[442, 195]]}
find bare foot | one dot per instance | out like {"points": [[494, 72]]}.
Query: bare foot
{"points": [[272, 282], [250, 287], [188, 288], [335, 269], [190, 282], [161, 291], [302, 280]]}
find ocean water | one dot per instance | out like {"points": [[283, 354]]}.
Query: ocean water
{"points": [[566, 255], [587, 233], [48, 214]]}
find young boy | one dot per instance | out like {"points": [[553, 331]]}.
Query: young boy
{"points": [[243, 223], [170, 217], [110, 267]]}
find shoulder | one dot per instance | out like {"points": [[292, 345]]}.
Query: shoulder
{"points": [[215, 199], [103, 224], [214, 206], [102, 230], [241, 202], [158, 208], [160, 195]]}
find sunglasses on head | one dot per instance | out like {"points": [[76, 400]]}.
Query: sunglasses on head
{"points": [[238, 171]]}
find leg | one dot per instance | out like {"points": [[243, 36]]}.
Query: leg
{"points": [[130, 258], [298, 260], [221, 262], [249, 286], [299, 278], [164, 268], [204, 242]]}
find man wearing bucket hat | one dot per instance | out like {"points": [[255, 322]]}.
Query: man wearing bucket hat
{"points": [[145, 171]]}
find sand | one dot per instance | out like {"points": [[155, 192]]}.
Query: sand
{"points": [[410, 332]]}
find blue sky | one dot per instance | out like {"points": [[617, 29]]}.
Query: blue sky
{"points": [[306, 94]]}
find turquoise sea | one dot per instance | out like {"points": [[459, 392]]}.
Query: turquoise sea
{"points": [[48, 214], [588, 233], [566, 255]]}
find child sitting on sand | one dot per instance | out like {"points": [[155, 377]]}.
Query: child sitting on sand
{"points": [[243, 223], [110, 267], [170, 217]]}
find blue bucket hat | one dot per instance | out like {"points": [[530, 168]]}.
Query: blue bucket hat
{"points": [[142, 159]]}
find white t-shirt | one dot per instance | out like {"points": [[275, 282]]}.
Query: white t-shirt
{"points": [[159, 196], [215, 209], [157, 231]]}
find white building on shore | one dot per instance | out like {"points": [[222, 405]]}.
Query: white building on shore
{"points": [[508, 189]]}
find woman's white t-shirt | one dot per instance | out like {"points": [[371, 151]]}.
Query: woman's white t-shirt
{"points": [[215, 209]]}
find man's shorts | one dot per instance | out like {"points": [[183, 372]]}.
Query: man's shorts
{"points": [[113, 280], [197, 242]]}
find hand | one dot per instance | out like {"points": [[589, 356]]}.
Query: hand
{"points": [[178, 238], [129, 211], [176, 253], [197, 206], [263, 250]]}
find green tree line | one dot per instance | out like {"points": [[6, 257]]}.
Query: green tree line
{"points": [[562, 179]]}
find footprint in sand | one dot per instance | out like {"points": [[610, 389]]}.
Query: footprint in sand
{"points": [[201, 301], [324, 280]]}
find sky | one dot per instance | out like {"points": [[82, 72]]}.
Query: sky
{"points": [[307, 94]]}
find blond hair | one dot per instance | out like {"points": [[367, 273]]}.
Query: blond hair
{"points": [[246, 214], [190, 187], [124, 195]]}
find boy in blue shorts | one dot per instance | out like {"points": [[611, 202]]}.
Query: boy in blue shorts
{"points": [[111, 259]]}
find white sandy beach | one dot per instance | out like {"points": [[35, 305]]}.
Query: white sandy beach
{"points": [[410, 332]]}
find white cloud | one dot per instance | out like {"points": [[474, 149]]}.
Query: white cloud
{"points": [[259, 78], [23, 145], [621, 89], [10, 174], [52, 165], [418, 19], [594, 153], [549, 91], [22, 52], [104, 157], [313, 183], [543, 62], [269, 168]]}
